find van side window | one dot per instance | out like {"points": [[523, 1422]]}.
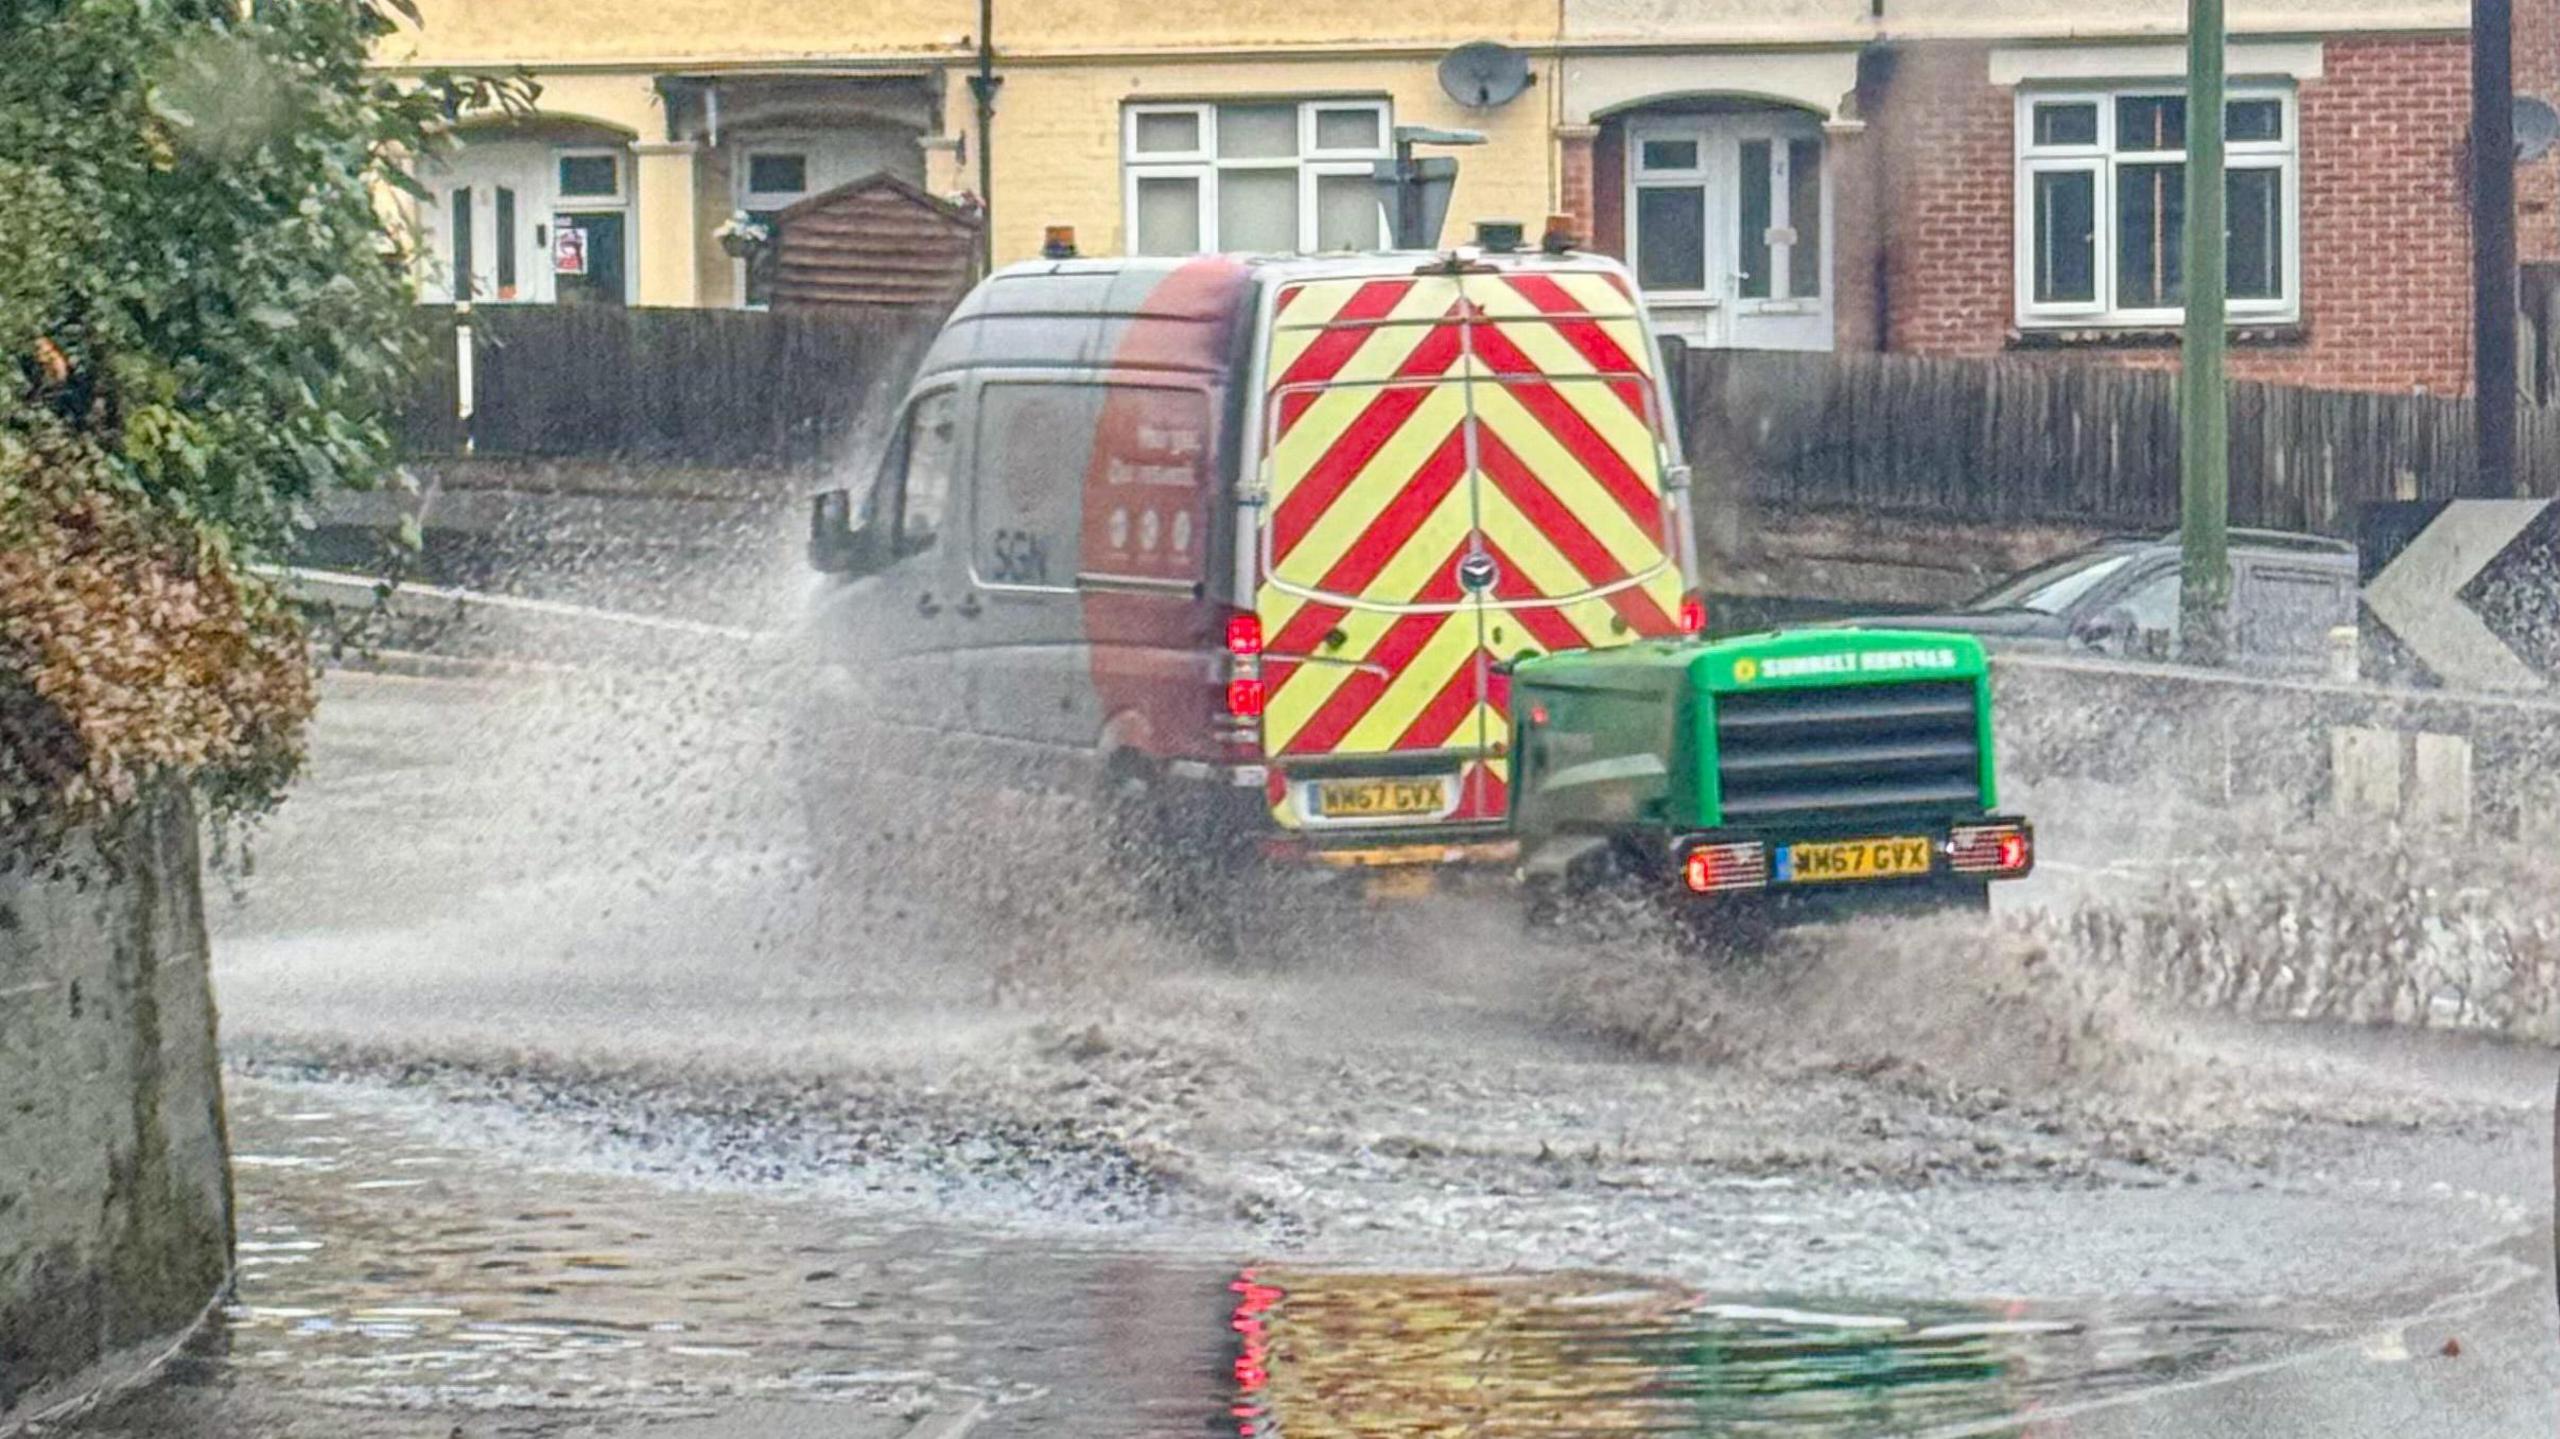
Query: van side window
{"points": [[932, 445], [1026, 492]]}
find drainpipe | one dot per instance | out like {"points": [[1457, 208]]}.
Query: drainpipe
{"points": [[983, 87]]}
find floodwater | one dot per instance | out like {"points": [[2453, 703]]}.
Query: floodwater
{"points": [[386, 1268]]}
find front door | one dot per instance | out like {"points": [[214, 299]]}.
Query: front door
{"points": [[486, 221], [592, 270], [1729, 228]]}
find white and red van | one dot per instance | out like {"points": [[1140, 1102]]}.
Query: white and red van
{"points": [[1270, 530]]}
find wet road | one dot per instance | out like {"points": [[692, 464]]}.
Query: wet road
{"points": [[574, 1052]]}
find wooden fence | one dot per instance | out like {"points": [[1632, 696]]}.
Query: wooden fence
{"points": [[1998, 440], [2086, 443], [695, 387]]}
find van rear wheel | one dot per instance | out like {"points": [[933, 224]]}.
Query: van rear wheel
{"points": [[1190, 856]]}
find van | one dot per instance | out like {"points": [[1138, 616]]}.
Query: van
{"points": [[1265, 535]]}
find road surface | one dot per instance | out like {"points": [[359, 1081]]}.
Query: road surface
{"points": [[546, 957]]}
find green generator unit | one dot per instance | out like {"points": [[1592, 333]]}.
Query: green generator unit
{"points": [[1790, 770]]}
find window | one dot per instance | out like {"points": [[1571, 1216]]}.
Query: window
{"points": [[506, 243], [770, 182], [2153, 604], [777, 174], [1274, 176], [1025, 507], [924, 492], [2102, 207], [590, 175], [462, 238], [1730, 209]]}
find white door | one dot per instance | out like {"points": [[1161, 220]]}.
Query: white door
{"points": [[1729, 228], [485, 222]]}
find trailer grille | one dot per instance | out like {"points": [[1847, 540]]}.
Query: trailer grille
{"points": [[1848, 755]]}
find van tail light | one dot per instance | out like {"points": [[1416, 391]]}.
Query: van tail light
{"points": [[1246, 693], [1693, 613], [2002, 850], [1725, 868]]}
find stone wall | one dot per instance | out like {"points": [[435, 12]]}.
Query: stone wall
{"points": [[115, 1193]]}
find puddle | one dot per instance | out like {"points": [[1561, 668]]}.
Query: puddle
{"points": [[383, 1268]]}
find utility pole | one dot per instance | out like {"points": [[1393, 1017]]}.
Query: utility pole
{"points": [[982, 89], [2204, 401], [2493, 245]]}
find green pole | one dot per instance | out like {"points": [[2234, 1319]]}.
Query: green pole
{"points": [[2204, 402]]}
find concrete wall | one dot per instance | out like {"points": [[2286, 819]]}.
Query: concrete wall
{"points": [[2425, 761], [115, 1194]]}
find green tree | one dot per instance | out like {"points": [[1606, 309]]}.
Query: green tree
{"points": [[205, 321]]}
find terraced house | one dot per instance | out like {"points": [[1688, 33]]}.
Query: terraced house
{"points": [[1946, 177]]}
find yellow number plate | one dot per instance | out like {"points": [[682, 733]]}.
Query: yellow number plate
{"points": [[1381, 798], [1896, 857]]}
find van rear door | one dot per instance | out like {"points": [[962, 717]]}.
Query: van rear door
{"points": [[1458, 468]]}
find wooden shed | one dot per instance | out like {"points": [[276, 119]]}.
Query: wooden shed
{"points": [[876, 243]]}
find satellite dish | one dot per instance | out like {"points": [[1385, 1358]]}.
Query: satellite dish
{"points": [[2537, 128], [1482, 74]]}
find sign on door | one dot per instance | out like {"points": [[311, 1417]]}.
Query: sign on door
{"points": [[568, 250]]}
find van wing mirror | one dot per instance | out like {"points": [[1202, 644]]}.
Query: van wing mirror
{"points": [[840, 544]]}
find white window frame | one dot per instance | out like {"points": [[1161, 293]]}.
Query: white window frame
{"points": [[1203, 165], [743, 197], [1717, 175], [750, 198], [621, 196], [619, 201], [2100, 159], [1702, 177]]}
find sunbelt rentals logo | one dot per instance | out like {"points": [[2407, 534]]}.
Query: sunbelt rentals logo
{"points": [[1749, 670]]}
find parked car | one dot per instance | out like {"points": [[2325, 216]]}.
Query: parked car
{"points": [[1261, 535], [2120, 597]]}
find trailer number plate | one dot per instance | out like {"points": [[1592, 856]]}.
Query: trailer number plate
{"points": [[1895, 857], [1381, 798]]}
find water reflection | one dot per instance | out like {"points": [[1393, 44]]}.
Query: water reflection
{"points": [[386, 1263], [1321, 1354]]}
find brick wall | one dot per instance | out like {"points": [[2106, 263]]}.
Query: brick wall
{"points": [[2386, 233], [2538, 74], [2385, 238], [1950, 163]]}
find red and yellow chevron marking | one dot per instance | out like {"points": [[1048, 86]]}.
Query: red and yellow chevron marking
{"points": [[1372, 644]]}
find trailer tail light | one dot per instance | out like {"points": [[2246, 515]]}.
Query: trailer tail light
{"points": [[1999, 851], [1693, 613], [1725, 868], [1244, 698], [1244, 636]]}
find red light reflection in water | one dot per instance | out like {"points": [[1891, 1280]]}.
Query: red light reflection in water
{"points": [[1254, 1300]]}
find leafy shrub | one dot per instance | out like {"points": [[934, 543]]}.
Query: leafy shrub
{"points": [[205, 318]]}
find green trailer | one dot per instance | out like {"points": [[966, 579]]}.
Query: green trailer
{"points": [[1773, 773]]}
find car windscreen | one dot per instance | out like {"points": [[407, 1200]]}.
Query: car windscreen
{"points": [[2052, 589]]}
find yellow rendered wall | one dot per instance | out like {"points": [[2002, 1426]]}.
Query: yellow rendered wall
{"points": [[626, 100], [655, 31], [1833, 21], [540, 32], [1057, 138]]}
